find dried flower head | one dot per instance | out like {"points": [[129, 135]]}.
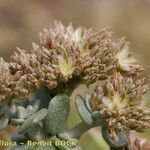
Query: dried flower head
{"points": [[4, 78], [120, 100], [35, 67], [65, 53], [10, 86]]}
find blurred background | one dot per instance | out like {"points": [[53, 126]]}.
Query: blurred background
{"points": [[21, 21]]}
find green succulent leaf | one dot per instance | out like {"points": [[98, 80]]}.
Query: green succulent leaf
{"points": [[57, 116], [21, 112], [3, 108], [84, 113], [36, 133], [32, 107], [16, 121], [3, 121], [87, 102], [33, 119]]}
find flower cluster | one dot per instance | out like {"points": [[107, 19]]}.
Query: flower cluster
{"points": [[65, 58], [63, 54], [120, 100], [4, 72]]}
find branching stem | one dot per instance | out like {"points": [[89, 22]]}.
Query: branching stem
{"points": [[80, 129]]}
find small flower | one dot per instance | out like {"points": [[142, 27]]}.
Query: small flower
{"points": [[120, 100], [125, 61], [66, 65]]}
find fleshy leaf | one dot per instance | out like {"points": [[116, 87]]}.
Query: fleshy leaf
{"points": [[83, 111], [21, 112], [3, 108], [33, 107], [57, 116], [33, 119], [87, 102], [3, 121], [36, 133], [16, 121]]}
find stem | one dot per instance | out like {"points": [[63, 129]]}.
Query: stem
{"points": [[78, 130], [82, 127]]}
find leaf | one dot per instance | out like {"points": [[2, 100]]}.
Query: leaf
{"points": [[3, 108], [16, 121], [57, 116], [21, 112], [87, 102], [32, 107], [3, 121], [84, 113], [33, 119], [36, 133]]}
